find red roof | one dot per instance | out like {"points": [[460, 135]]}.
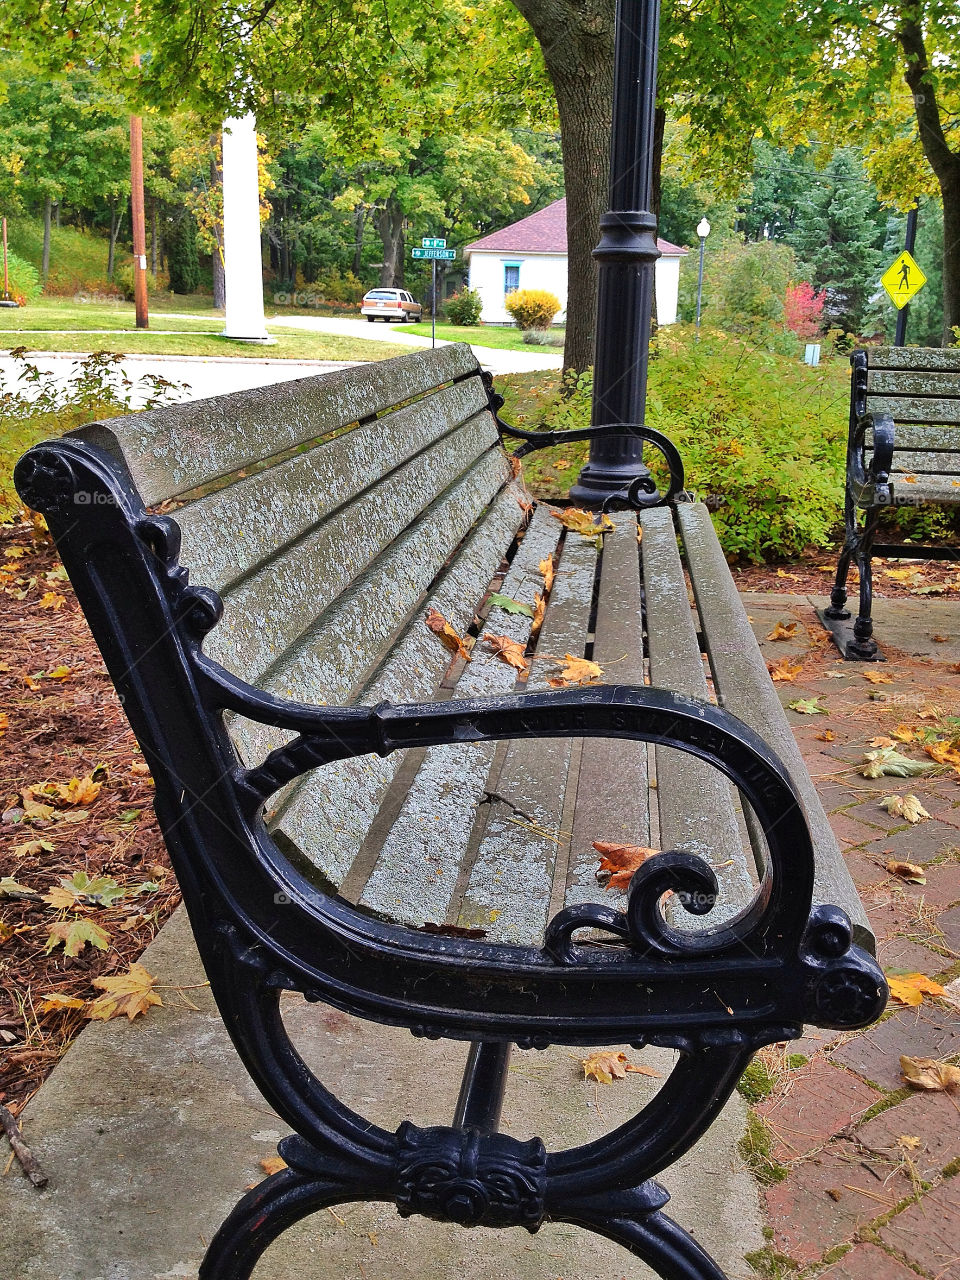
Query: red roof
{"points": [[544, 232]]}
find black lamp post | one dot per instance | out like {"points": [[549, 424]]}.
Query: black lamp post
{"points": [[626, 255]]}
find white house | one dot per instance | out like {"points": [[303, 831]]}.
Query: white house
{"points": [[532, 254]]}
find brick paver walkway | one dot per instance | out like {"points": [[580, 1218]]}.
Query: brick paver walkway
{"points": [[867, 1167]]}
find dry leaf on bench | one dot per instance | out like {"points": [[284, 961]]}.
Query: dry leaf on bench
{"points": [[539, 610], [546, 568], [449, 638], [929, 1073], [908, 871], [783, 631], [910, 988], [508, 651], [575, 671], [618, 862], [130, 993], [907, 806], [606, 1066], [582, 522], [784, 669]]}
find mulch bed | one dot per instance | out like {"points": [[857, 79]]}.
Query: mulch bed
{"points": [[62, 720]]}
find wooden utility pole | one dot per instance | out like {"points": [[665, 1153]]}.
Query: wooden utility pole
{"points": [[139, 227]]}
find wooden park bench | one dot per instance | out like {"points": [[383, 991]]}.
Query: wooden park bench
{"points": [[362, 809], [903, 449]]}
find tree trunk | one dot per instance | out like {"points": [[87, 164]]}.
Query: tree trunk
{"points": [[45, 261], [111, 250], [391, 237], [58, 215], [577, 39], [359, 219], [216, 257], [944, 162]]}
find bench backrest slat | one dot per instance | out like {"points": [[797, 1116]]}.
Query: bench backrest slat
{"points": [[274, 507], [177, 448], [917, 409], [934, 359]]}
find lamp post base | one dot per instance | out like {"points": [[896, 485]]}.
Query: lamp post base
{"points": [[600, 480]]}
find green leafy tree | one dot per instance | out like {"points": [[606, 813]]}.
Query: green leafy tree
{"points": [[839, 237], [182, 260]]}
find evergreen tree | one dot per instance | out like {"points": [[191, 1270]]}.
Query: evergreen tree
{"points": [[182, 260], [839, 239]]}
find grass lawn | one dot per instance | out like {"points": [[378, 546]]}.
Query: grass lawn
{"points": [[487, 336], [193, 337]]}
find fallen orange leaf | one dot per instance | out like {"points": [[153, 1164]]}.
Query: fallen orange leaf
{"points": [[943, 752], [908, 871], [877, 677], [582, 522], [546, 568], [508, 651], [51, 600], [827, 736], [129, 993], [447, 636], [575, 671], [606, 1066], [903, 733], [910, 988], [929, 1073], [618, 862], [784, 669], [539, 610], [273, 1164], [881, 741], [783, 631]]}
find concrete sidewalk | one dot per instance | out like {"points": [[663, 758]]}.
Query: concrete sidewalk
{"points": [[150, 1132]]}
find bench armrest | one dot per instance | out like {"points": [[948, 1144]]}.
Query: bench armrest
{"points": [[642, 493], [876, 473]]}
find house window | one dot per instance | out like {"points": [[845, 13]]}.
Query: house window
{"points": [[511, 278]]}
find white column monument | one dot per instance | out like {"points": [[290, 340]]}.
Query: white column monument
{"points": [[242, 265]]}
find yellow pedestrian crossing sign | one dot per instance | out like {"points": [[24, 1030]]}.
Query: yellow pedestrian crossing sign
{"points": [[902, 279]]}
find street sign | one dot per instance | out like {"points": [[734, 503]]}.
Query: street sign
{"points": [[429, 242], [436, 255], [902, 279]]}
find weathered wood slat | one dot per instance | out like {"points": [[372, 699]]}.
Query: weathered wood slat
{"points": [[741, 680], [926, 488], [327, 815], [884, 382], [695, 801], [426, 853], [511, 881], [917, 409], [919, 358], [923, 439], [611, 797], [270, 610], [177, 448], [338, 657], [909, 462], [228, 533]]}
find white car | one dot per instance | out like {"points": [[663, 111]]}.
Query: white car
{"points": [[390, 304]]}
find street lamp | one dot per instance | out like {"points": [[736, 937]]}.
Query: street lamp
{"points": [[703, 230]]}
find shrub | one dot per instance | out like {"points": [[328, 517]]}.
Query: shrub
{"points": [[464, 307], [336, 286], [532, 308], [803, 309], [748, 283], [24, 280], [542, 338]]}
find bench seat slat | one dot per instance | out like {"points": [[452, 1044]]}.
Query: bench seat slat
{"points": [[696, 802], [424, 855], [271, 610], [611, 783], [327, 814], [511, 880], [177, 448], [746, 691], [275, 507]]}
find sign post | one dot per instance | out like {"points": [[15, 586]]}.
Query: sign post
{"points": [[903, 279], [436, 251]]}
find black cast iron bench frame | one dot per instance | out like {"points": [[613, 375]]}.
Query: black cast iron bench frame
{"points": [[903, 449], [263, 929]]}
